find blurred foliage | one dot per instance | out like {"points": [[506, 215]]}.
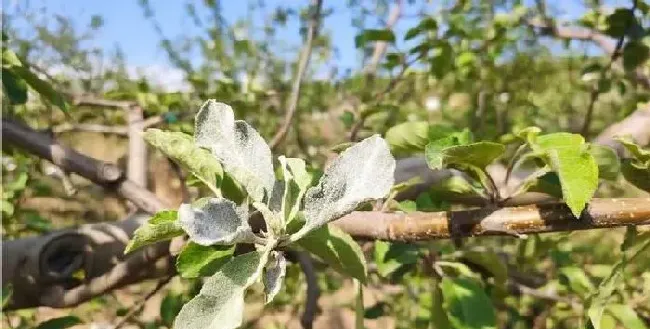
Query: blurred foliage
{"points": [[476, 70]]}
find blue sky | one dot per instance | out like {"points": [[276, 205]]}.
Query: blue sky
{"points": [[125, 25]]}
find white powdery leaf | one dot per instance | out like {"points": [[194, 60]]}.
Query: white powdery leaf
{"points": [[239, 147], [361, 173], [220, 303], [217, 221], [274, 275]]}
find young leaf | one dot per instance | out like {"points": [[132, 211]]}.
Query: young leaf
{"points": [[361, 173], [196, 260], [276, 270], [296, 180], [467, 304], [479, 154], [337, 249], [578, 173], [216, 221], [576, 168], [220, 303], [242, 151], [163, 225], [181, 147], [169, 308]]}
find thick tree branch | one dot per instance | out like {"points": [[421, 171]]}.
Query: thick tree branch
{"points": [[303, 62], [42, 268], [577, 33], [416, 226], [102, 173]]}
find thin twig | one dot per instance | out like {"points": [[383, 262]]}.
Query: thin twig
{"points": [[595, 92], [313, 291], [303, 62], [380, 46], [139, 305]]}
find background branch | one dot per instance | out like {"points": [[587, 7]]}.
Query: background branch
{"points": [[303, 62]]}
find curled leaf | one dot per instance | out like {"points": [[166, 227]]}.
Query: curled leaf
{"points": [[216, 221], [242, 151]]}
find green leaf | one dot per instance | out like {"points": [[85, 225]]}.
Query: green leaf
{"points": [[635, 53], [220, 303], [243, 153], [467, 304], [568, 156], [14, 86], [163, 225], [439, 319], [196, 260], [60, 323], [626, 315], [336, 248], [42, 87], [490, 261], [577, 280], [297, 180], [479, 154], [370, 35], [169, 308], [408, 137], [636, 174], [607, 160], [427, 24], [389, 257], [597, 301], [361, 173], [638, 152], [7, 292], [619, 21], [181, 147], [578, 173], [216, 221]]}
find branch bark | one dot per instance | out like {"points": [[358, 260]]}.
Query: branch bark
{"points": [[303, 62]]}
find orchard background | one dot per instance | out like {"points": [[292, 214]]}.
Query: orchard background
{"points": [[519, 128]]}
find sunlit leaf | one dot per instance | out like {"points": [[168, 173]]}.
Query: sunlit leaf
{"points": [[220, 303], [181, 147], [196, 260], [163, 225], [361, 173], [242, 151]]}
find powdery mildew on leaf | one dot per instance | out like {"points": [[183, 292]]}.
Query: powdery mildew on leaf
{"points": [[274, 275], [217, 221], [361, 173], [296, 180], [220, 303], [242, 151]]}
